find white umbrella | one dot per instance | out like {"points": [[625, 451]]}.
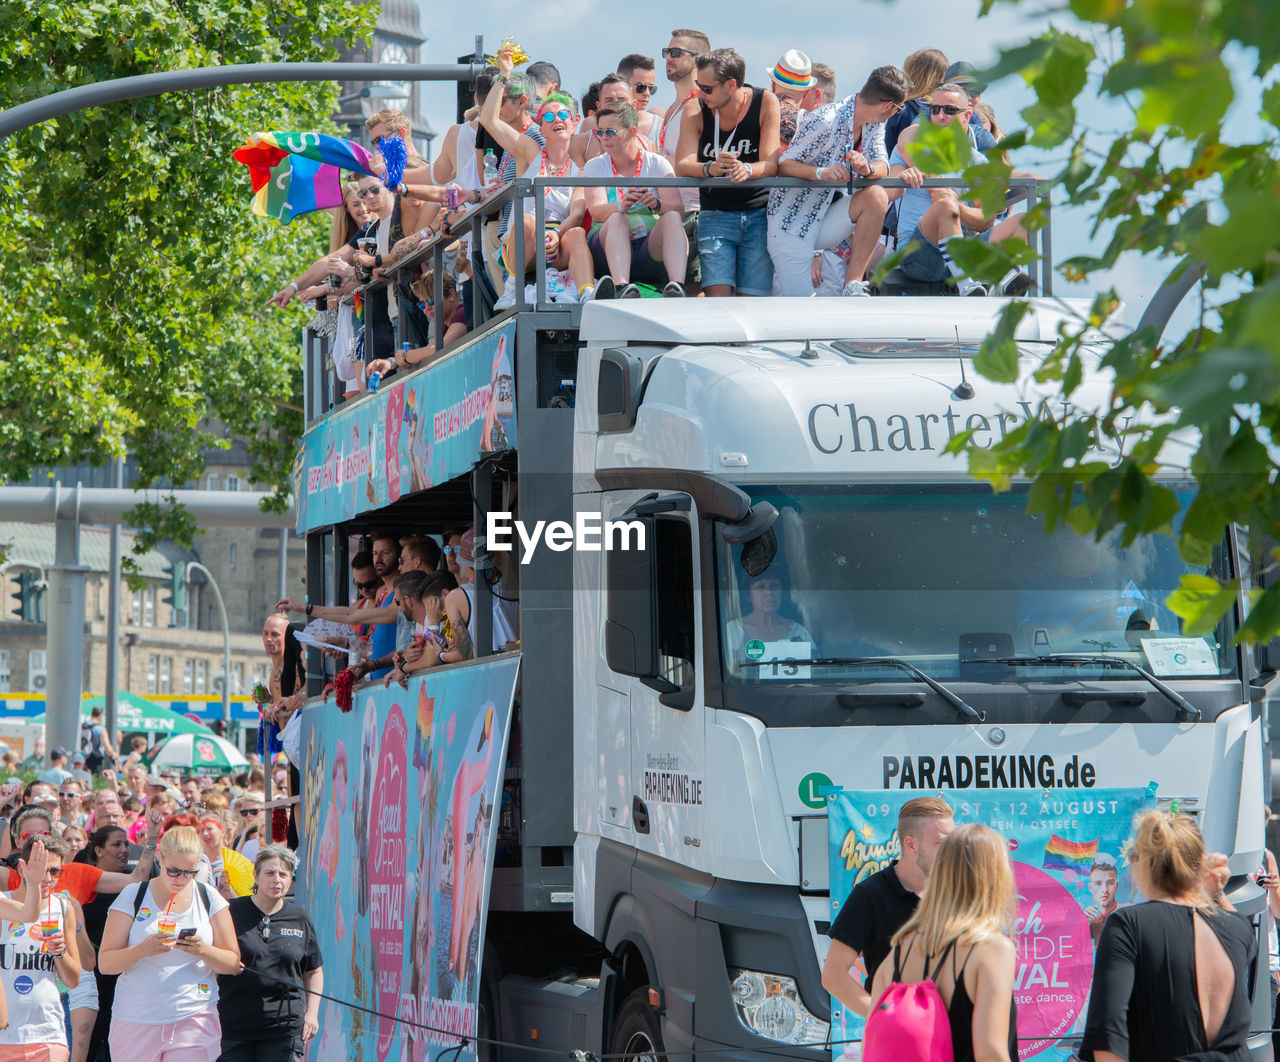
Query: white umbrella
{"points": [[196, 754]]}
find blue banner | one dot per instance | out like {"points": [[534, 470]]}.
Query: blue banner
{"points": [[1070, 873], [418, 431], [396, 849]]}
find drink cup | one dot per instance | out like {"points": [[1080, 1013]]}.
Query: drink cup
{"points": [[166, 925], [48, 928]]}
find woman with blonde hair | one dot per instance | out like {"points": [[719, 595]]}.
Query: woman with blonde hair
{"points": [[926, 69], [959, 939], [167, 939], [1170, 979]]}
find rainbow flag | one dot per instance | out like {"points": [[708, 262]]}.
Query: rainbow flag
{"points": [[1061, 854], [297, 173]]}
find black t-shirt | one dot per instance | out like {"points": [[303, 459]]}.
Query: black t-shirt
{"points": [[875, 910], [744, 140], [380, 337], [253, 1007]]}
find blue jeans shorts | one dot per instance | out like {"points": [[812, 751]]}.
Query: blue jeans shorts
{"points": [[925, 263], [734, 250]]}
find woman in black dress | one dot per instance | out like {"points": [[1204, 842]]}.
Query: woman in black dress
{"points": [[107, 848], [1170, 979], [959, 938]]}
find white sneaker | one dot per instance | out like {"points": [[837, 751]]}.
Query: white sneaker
{"points": [[508, 297], [856, 287], [530, 295], [965, 286], [587, 294]]}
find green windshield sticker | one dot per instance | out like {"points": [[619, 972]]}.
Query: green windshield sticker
{"points": [[754, 649]]}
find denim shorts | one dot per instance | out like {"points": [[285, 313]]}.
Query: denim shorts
{"points": [[925, 263], [734, 249]]}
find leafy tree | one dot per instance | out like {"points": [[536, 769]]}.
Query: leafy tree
{"points": [[135, 274], [1168, 186]]}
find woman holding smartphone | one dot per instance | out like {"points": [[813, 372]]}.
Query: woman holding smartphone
{"points": [[167, 939]]}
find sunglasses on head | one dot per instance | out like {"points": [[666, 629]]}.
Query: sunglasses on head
{"points": [[944, 108], [176, 872], [606, 134], [556, 116], [643, 87], [676, 53], [372, 584]]}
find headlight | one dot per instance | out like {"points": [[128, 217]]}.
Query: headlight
{"points": [[769, 1005]]}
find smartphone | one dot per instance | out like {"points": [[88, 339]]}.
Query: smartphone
{"points": [[187, 933]]}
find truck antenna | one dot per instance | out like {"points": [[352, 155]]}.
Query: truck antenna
{"points": [[964, 389], [809, 354]]}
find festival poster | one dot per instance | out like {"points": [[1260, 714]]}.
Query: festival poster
{"points": [[418, 431], [1070, 874], [397, 843]]}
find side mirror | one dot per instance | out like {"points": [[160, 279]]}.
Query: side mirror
{"points": [[631, 625]]}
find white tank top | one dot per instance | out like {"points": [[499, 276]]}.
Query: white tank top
{"points": [[556, 199], [668, 141], [468, 173]]}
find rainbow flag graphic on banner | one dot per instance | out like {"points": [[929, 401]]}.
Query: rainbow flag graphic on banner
{"points": [[297, 173], [1061, 854]]}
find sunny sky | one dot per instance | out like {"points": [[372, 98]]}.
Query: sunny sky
{"points": [[585, 39]]}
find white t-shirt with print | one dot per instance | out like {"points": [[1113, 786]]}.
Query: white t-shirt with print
{"points": [[30, 983], [651, 165], [165, 988]]}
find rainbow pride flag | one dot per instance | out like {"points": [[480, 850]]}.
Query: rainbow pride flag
{"points": [[1061, 854], [297, 173]]}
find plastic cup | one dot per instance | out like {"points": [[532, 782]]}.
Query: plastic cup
{"points": [[48, 928], [166, 925]]}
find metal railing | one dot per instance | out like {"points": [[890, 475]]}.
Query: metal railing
{"points": [[321, 392]]}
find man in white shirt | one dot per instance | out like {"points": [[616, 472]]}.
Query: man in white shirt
{"points": [[830, 144]]}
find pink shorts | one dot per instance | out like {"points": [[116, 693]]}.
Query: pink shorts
{"points": [[33, 1053], [194, 1039]]}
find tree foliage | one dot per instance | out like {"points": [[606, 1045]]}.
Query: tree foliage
{"points": [[1172, 188], [134, 273]]}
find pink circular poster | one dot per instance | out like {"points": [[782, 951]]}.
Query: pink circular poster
{"points": [[387, 873], [1054, 964]]}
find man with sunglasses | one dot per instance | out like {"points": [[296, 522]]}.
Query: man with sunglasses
{"points": [[642, 78], [70, 808], [930, 218], [832, 144], [730, 130]]}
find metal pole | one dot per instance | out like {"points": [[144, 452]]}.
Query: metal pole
{"points": [[282, 576], [113, 618], [64, 647], [82, 97], [226, 641]]}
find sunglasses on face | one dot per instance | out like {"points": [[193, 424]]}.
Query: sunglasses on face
{"points": [[642, 87], [944, 108], [706, 90], [676, 53], [370, 192], [68, 796], [446, 550], [372, 584], [556, 116], [249, 812], [175, 872], [897, 107], [28, 834], [606, 134], [53, 872]]}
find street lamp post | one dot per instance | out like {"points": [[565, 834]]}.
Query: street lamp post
{"points": [[226, 645], [376, 92]]}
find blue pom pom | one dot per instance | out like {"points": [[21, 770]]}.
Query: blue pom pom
{"points": [[395, 155]]}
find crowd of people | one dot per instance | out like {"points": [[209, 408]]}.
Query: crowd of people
{"points": [[415, 610], [731, 235], [148, 917], [1172, 975]]}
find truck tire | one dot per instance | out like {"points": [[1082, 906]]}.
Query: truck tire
{"points": [[637, 1035]]}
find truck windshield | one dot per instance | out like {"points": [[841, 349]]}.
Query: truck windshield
{"points": [[950, 580]]}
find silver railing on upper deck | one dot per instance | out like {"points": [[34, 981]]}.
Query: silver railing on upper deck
{"points": [[320, 392]]}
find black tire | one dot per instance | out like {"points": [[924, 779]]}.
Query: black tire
{"points": [[637, 1034]]}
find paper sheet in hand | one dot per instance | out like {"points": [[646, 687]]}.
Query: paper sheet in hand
{"points": [[307, 639]]}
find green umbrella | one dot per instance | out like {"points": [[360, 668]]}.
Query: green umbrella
{"points": [[195, 754], [138, 713]]}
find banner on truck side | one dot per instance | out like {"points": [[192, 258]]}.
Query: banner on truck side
{"points": [[397, 846], [419, 431], [1070, 873]]}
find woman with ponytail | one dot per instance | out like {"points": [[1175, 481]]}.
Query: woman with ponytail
{"points": [[1170, 979]]}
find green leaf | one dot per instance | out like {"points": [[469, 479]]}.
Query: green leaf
{"points": [[941, 149], [1263, 622], [998, 357], [1200, 602], [1192, 97]]}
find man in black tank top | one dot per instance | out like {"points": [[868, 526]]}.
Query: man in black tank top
{"points": [[730, 131]]}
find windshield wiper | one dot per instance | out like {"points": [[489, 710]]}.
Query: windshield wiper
{"points": [[1186, 710], [950, 696]]}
